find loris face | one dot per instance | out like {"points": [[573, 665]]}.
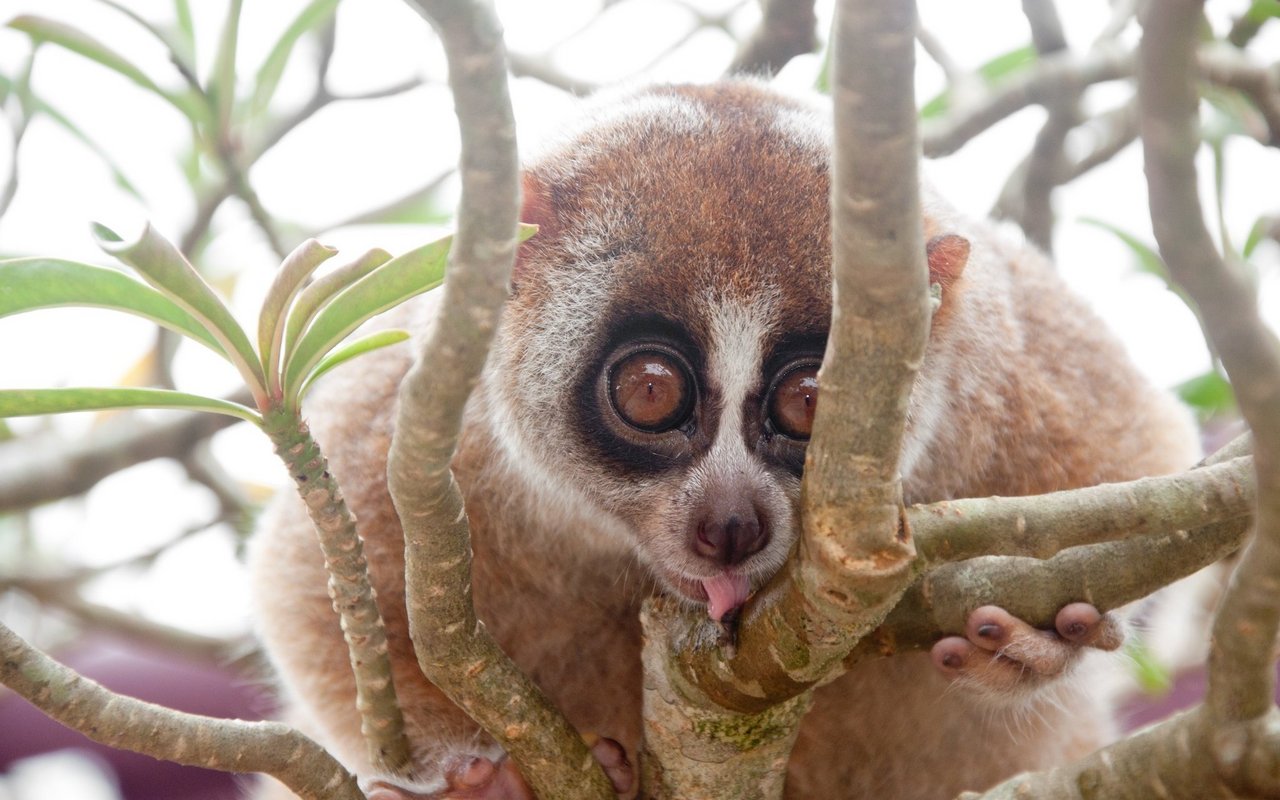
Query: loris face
{"points": [[660, 352]]}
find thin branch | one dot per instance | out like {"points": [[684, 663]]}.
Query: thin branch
{"points": [[1260, 84], [191, 739], [541, 67], [1042, 83], [787, 29], [453, 649], [1242, 673], [37, 469]]}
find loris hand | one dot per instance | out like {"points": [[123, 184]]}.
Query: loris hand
{"points": [[1001, 652], [479, 778]]}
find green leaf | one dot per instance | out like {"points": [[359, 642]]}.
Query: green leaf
{"points": [[41, 29], [186, 29], [1149, 261], [991, 72], [27, 284], [385, 287], [358, 347], [41, 107], [1256, 234], [160, 263], [1210, 394], [1152, 676], [222, 85], [312, 298], [316, 13], [295, 269], [30, 402]]}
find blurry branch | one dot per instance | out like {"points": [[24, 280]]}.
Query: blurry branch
{"points": [[454, 651], [418, 198], [191, 739], [66, 597], [64, 590], [243, 157], [1107, 134], [787, 29], [1028, 193], [1069, 74], [1042, 83], [1261, 85], [1122, 13], [46, 467], [542, 67], [204, 468]]}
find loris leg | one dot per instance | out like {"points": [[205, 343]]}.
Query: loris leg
{"points": [[1000, 651], [477, 778]]}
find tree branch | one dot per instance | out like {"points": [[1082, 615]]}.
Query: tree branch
{"points": [[453, 648], [38, 469], [786, 31], [191, 739], [1241, 659]]}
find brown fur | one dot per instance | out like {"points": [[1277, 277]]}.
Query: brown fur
{"points": [[1021, 392]]}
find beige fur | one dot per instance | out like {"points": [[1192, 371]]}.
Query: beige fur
{"points": [[708, 207]]}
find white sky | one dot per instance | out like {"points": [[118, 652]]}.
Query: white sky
{"points": [[357, 155]]}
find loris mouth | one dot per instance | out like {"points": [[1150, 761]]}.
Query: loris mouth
{"points": [[723, 592]]}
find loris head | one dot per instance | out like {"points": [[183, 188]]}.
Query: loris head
{"points": [[657, 369]]}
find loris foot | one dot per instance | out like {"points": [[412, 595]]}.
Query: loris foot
{"points": [[1001, 652], [479, 778]]}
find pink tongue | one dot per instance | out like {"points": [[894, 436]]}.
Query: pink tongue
{"points": [[725, 592]]}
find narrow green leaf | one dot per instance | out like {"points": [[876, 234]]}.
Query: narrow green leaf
{"points": [[385, 287], [316, 13], [39, 106], [992, 72], [27, 284], [42, 29], [222, 86], [1256, 234], [1152, 676], [358, 347], [1149, 261], [296, 267], [160, 263], [312, 298], [1209, 394], [31, 402], [186, 28]]}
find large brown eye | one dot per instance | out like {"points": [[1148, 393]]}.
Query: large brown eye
{"points": [[651, 390], [793, 400]]}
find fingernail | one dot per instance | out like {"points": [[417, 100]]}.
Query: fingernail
{"points": [[990, 631]]}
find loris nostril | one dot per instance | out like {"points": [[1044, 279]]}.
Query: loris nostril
{"points": [[730, 540]]}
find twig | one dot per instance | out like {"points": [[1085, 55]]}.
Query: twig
{"points": [[37, 469], [1040, 84], [1261, 85]]}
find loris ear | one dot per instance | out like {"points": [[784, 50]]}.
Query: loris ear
{"points": [[537, 207], [947, 256]]}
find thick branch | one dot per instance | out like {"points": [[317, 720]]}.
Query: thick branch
{"points": [[786, 31], [130, 724], [1241, 659], [1166, 761], [453, 648], [1041, 526]]}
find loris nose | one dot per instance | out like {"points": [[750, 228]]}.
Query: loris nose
{"points": [[730, 538]]}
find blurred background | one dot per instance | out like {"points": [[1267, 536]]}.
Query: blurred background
{"points": [[240, 128]]}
